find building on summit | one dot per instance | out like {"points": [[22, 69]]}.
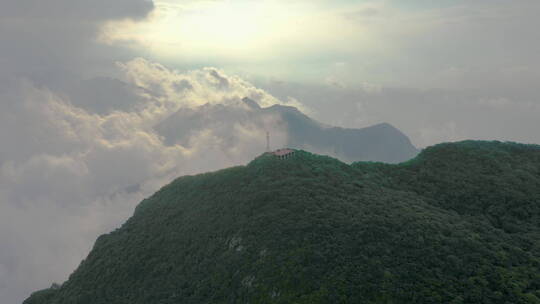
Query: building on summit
{"points": [[279, 153], [283, 153]]}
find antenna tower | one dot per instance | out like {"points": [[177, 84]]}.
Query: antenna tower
{"points": [[267, 141]]}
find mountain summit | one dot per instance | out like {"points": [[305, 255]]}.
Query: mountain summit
{"points": [[458, 224]]}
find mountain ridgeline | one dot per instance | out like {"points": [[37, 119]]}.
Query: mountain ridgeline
{"points": [[381, 142], [460, 223]]}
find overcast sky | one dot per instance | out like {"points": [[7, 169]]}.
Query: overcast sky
{"points": [[83, 83]]}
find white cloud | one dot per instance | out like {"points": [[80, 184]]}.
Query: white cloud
{"points": [[54, 42], [415, 44], [68, 174]]}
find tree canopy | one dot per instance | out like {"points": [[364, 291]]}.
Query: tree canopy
{"points": [[460, 223]]}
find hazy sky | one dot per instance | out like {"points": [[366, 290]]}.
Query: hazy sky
{"points": [[438, 70], [83, 83]]}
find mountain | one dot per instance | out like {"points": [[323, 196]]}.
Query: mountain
{"points": [[381, 142], [460, 223]]}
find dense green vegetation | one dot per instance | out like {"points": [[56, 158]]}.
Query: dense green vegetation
{"points": [[458, 224]]}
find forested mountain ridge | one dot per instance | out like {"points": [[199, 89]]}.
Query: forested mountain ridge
{"points": [[457, 224], [497, 180]]}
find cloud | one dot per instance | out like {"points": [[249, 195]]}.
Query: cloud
{"points": [[55, 42], [69, 173], [103, 95], [193, 88], [414, 44], [454, 45]]}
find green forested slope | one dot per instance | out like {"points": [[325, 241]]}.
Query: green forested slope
{"points": [[458, 224]]}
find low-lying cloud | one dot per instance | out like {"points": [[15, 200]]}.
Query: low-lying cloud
{"points": [[69, 173]]}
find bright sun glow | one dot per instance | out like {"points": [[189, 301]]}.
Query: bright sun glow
{"points": [[226, 25], [250, 31]]}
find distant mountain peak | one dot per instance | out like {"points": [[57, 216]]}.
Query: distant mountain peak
{"points": [[381, 142]]}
